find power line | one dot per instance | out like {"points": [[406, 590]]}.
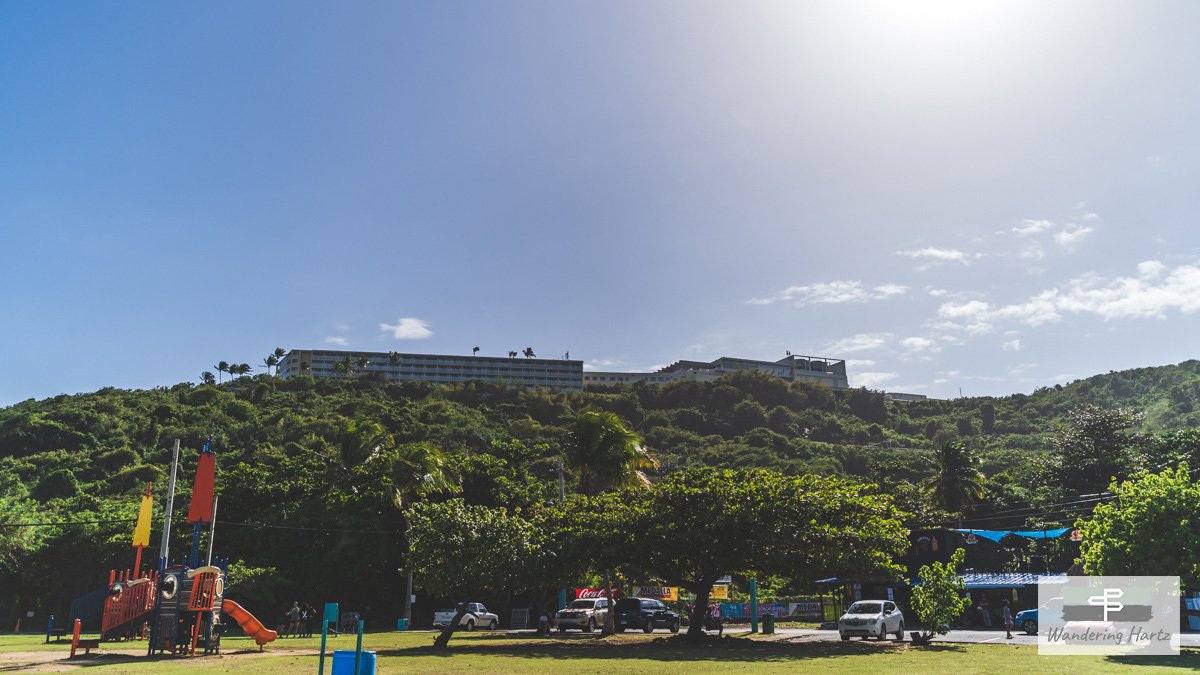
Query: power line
{"points": [[67, 522]]}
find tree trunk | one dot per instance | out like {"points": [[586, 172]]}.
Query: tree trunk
{"points": [[444, 638], [699, 614], [610, 619]]}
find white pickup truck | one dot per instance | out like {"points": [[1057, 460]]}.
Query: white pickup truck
{"points": [[477, 615]]}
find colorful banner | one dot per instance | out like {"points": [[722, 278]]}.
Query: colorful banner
{"points": [[664, 593], [202, 489], [593, 593], [141, 531], [780, 610]]}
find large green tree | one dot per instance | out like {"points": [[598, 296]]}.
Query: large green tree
{"points": [[698, 525], [461, 550], [940, 598], [1149, 529], [1094, 447]]}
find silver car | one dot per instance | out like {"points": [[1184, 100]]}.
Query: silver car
{"points": [[872, 618], [586, 614]]}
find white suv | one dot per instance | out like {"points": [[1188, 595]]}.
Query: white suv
{"points": [[872, 618], [586, 614]]}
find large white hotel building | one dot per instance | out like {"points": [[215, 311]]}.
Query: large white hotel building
{"points": [[552, 374]]}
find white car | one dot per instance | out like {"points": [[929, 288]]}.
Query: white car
{"points": [[477, 615], [586, 614], [872, 618]]}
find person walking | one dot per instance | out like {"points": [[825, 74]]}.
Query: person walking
{"points": [[1008, 619], [985, 612]]}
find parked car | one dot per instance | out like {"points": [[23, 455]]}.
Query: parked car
{"points": [[477, 615], [872, 618], [644, 613], [586, 614], [1027, 619]]}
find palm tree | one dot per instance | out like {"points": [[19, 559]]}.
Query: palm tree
{"points": [[361, 363], [279, 353], [512, 355], [474, 351], [345, 366], [957, 484], [207, 378], [606, 454], [417, 470], [243, 369], [270, 362], [222, 367], [528, 353]]}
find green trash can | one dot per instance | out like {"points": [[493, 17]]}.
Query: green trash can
{"points": [[768, 624], [401, 624]]}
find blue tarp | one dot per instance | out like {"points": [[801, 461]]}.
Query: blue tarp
{"points": [[1006, 579], [997, 535]]}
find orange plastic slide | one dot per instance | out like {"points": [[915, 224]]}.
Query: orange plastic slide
{"points": [[253, 627]]}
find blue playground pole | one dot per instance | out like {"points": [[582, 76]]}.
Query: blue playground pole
{"points": [[358, 647], [49, 628], [754, 605], [330, 614]]}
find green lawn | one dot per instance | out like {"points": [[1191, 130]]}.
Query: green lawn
{"points": [[485, 654]]}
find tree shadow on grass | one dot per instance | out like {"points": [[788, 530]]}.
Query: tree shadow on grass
{"points": [[676, 649], [1188, 658]]}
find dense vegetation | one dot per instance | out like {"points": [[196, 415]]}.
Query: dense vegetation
{"points": [[304, 453]]}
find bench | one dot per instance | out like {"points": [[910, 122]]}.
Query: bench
{"points": [[86, 645]]}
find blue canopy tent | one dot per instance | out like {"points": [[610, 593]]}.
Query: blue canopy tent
{"points": [[997, 535]]}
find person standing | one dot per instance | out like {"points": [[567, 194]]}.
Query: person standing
{"points": [[985, 611], [293, 617], [1008, 619]]}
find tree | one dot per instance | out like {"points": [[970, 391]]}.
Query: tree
{"points": [[207, 378], [529, 353], [941, 596], [605, 454], [279, 353], [270, 362], [474, 351], [698, 525], [987, 418], [1149, 529], [361, 363], [956, 483], [512, 355], [1094, 448], [222, 367], [416, 470], [463, 550], [345, 366]]}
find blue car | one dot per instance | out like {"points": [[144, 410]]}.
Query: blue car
{"points": [[1027, 619]]}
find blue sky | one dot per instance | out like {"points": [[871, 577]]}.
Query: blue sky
{"points": [[985, 196]]}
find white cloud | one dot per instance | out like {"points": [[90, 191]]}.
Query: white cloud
{"points": [[859, 343], [936, 254], [407, 328], [337, 340], [1155, 291], [832, 292], [1028, 227], [1033, 251], [1011, 346], [859, 363], [872, 380], [341, 326], [1072, 235], [920, 344], [1090, 216], [601, 364]]}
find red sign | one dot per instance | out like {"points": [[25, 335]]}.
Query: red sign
{"points": [[593, 593]]}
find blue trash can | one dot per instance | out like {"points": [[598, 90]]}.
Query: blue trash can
{"points": [[343, 662], [401, 624]]}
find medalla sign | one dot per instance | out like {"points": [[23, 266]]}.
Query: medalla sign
{"points": [[1108, 615]]}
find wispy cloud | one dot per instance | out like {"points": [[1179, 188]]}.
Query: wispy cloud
{"points": [[337, 340], [832, 292], [1154, 292], [933, 254], [1011, 346], [407, 328], [1029, 227], [859, 343], [872, 380], [1072, 235]]}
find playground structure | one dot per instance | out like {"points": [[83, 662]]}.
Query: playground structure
{"points": [[178, 606]]}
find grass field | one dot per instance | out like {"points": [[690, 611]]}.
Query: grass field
{"points": [[496, 653]]}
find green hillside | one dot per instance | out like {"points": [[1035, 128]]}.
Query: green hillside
{"points": [[299, 456]]}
